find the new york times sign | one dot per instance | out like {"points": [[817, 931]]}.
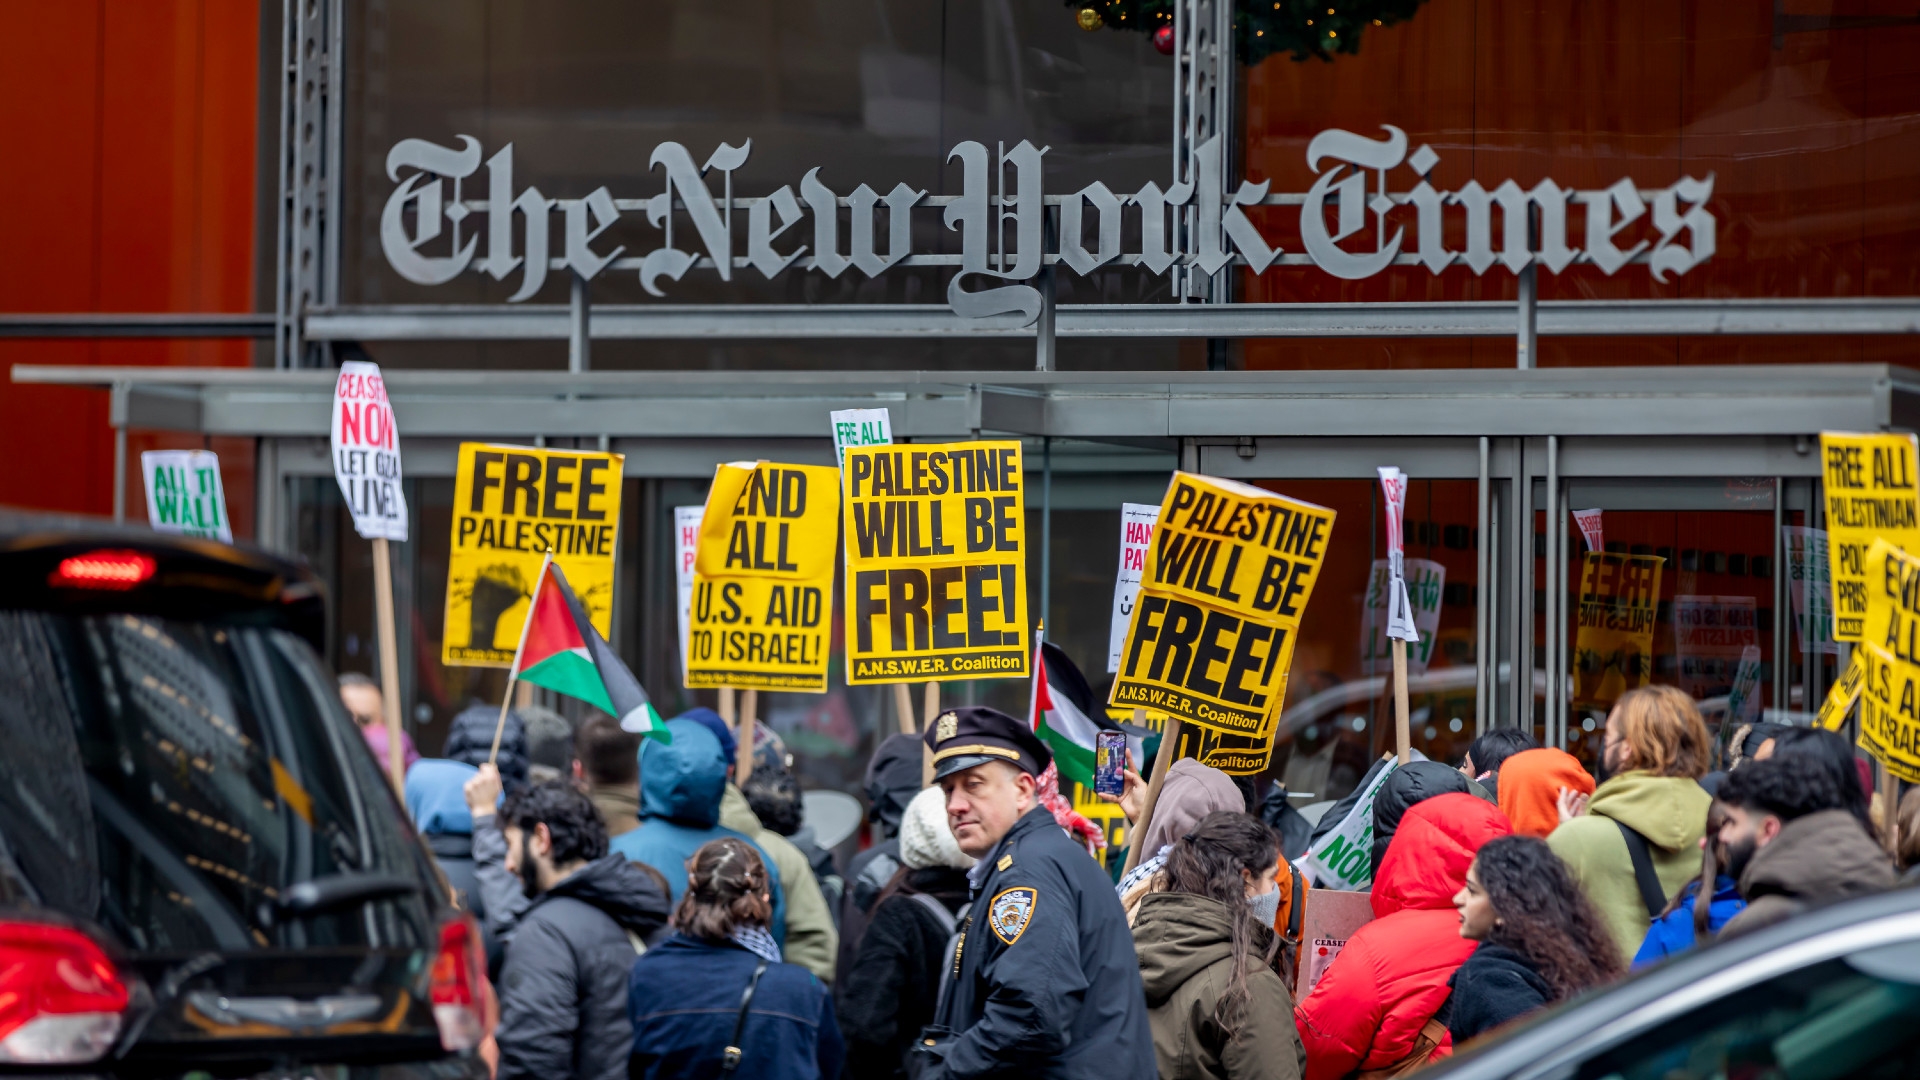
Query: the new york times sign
{"points": [[428, 238]]}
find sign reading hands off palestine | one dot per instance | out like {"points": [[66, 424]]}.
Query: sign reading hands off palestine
{"points": [[935, 543], [1226, 584], [1871, 492], [762, 616], [510, 504]]}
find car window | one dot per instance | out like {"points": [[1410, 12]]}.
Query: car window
{"points": [[170, 779], [1851, 1018]]}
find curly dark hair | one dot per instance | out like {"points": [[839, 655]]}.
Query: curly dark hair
{"points": [[1831, 752], [1490, 751], [1542, 913], [577, 831], [726, 888], [1207, 862], [774, 796], [1787, 787]]}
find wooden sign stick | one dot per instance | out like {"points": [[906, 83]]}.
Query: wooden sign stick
{"points": [[389, 661], [1162, 761], [1402, 729]]}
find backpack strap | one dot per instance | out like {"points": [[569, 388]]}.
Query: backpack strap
{"points": [[939, 911], [1651, 893], [730, 1059]]}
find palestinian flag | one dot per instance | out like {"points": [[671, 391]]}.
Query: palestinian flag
{"points": [[1063, 713], [561, 651]]}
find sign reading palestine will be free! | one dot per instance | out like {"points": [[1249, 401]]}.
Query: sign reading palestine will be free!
{"points": [[935, 547], [1225, 586]]}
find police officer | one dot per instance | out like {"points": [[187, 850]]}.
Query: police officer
{"points": [[1042, 980]]}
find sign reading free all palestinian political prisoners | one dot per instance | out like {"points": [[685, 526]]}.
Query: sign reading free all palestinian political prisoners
{"points": [[1226, 584], [510, 505], [1872, 490], [935, 544], [762, 616]]}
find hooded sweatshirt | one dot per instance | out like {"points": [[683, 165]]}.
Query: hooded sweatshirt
{"points": [[1391, 977], [1530, 783], [1670, 811], [1185, 945], [681, 784], [563, 991], [1817, 859], [1412, 783], [437, 801]]}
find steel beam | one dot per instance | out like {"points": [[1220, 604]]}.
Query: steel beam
{"points": [[161, 325]]}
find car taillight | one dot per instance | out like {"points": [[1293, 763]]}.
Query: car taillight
{"points": [[117, 570], [458, 986], [61, 999]]}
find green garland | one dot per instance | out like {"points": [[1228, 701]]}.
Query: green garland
{"points": [[1263, 27]]}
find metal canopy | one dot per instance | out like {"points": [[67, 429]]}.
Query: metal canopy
{"points": [[1605, 403]]}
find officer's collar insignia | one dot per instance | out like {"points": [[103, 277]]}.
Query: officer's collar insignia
{"points": [[1005, 861], [1010, 913], [946, 727]]}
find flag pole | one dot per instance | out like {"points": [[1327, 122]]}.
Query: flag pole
{"points": [[513, 673]]}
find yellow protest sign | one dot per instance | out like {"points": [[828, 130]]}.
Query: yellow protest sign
{"points": [[510, 504], [1235, 755], [1226, 583], [1843, 693], [762, 613], [1613, 647], [1870, 492], [1890, 711], [936, 564]]}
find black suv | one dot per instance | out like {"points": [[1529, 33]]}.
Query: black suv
{"points": [[202, 868]]}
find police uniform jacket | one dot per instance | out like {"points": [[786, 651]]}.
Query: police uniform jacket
{"points": [[1046, 983]]}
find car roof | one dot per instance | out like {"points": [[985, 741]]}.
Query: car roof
{"points": [[192, 578], [1537, 1041]]}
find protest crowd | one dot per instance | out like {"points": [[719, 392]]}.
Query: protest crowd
{"points": [[647, 914]]}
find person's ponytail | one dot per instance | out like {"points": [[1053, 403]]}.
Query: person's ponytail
{"points": [[726, 888]]}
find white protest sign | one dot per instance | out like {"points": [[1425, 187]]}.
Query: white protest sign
{"points": [[686, 543], [184, 494], [1425, 581], [859, 427], [1590, 529], [1810, 587], [1393, 489], [366, 452], [1343, 858], [1136, 534], [1743, 702]]}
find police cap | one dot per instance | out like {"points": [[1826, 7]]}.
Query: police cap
{"points": [[974, 735]]}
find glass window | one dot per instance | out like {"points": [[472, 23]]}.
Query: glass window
{"points": [[1854, 1018]]}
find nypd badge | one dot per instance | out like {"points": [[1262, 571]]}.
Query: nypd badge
{"points": [[946, 727], [1010, 913]]}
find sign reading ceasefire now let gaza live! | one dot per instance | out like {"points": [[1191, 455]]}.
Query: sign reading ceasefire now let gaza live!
{"points": [[510, 505], [762, 614], [1226, 583], [935, 543]]}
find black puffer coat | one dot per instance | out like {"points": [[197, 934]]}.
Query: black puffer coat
{"points": [[470, 739], [563, 990], [1412, 783], [894, 981]]}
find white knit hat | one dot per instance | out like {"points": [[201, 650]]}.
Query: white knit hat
{"points": [[925, 838]]}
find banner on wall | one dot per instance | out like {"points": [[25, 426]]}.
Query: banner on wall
{"points": [[1227, 580], [1613, 645], [1136, 535], [1810, 589], [1710, 633], [511, 504], [1872, 490], [184, 494], [686, 542], [1425, 581], [936, 567], [763, 578]]}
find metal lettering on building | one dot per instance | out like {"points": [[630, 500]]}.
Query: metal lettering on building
{"points": [[1193, 225]]}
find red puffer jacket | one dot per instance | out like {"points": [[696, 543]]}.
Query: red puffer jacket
{"points": [[1369, 1007]]}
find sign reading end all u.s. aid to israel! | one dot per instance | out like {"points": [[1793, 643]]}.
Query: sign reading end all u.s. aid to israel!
{"points": [[1872, 489], [1226, 584], [936, 562], [762, 612], [511, 504]]}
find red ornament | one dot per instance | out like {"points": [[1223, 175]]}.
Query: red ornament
{"points": [[1163, 40]]}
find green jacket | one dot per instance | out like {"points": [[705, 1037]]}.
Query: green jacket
{"points": [[1185, 945], [1670, 811], [812, 942]]}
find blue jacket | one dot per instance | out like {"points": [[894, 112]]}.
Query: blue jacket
{"points": [[436, 799], [683, 998], [680, 787], [1673, 934]]}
